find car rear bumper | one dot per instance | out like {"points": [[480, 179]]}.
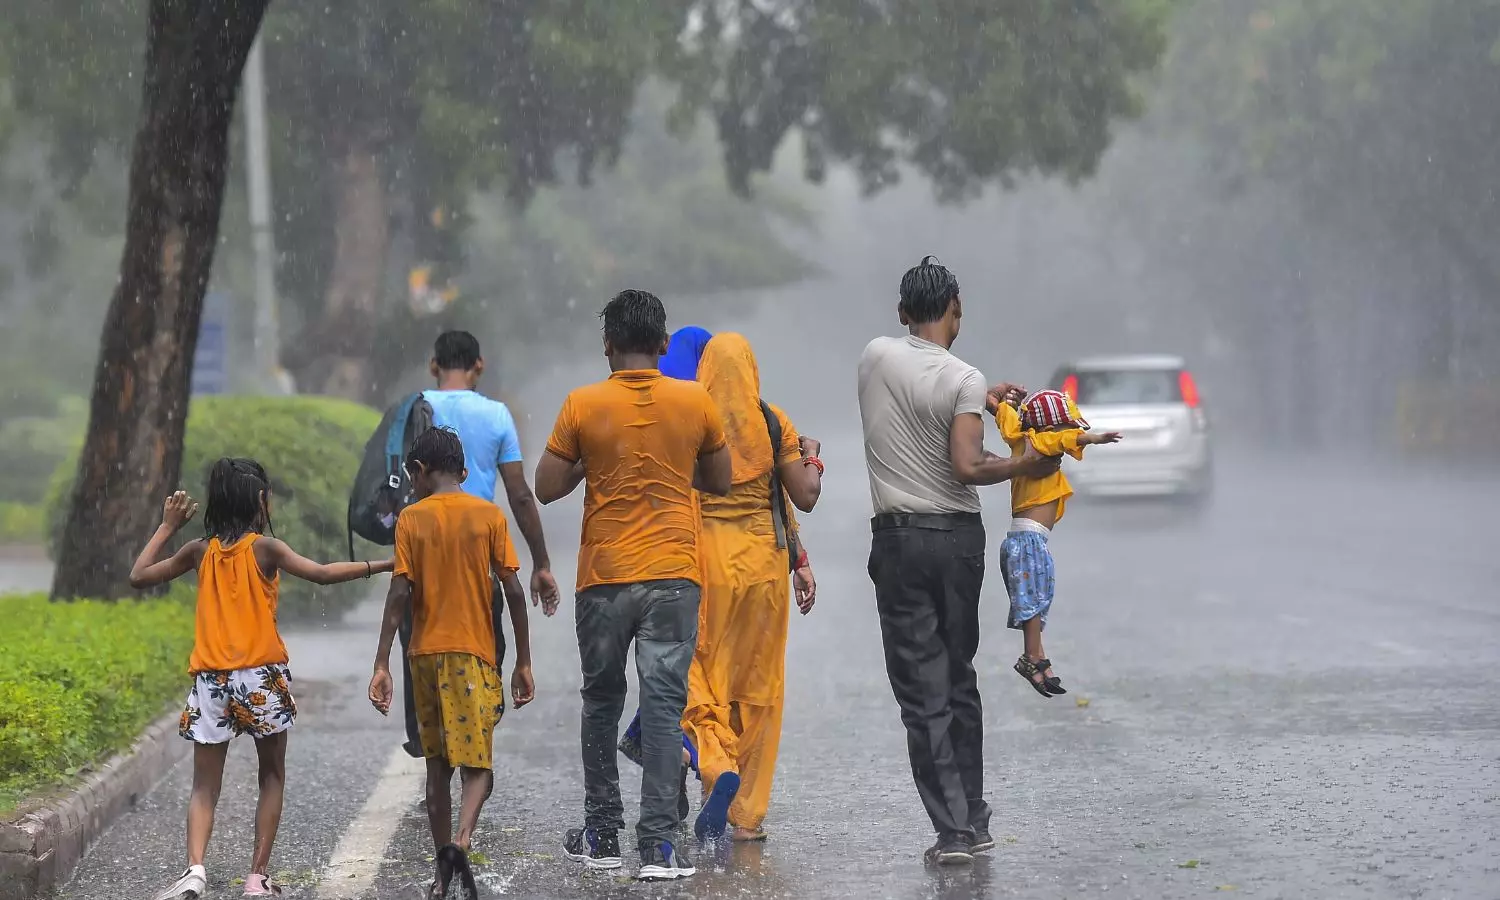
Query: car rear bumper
{"points": [[1148, 476]]}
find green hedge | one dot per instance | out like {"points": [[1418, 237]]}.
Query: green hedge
{"points": [[32, 445], [310, 447], [22, 523], [80, 680]]}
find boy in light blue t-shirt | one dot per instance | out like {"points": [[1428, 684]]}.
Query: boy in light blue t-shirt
{"points": [[492, 452]]}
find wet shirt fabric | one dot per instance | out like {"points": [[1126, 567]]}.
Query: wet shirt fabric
{"points": [[447, 545], [487, 430], [639, 436], [1029, 493], [736, 685], [910, 391], [235, 619]]}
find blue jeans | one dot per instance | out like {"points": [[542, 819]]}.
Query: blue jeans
{"points": [[661, 617]]}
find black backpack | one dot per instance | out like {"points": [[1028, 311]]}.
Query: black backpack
{"points": [[381, 487], [786, 535]]}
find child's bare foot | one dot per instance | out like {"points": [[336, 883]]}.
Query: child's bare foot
{"points": [[748, 835]]}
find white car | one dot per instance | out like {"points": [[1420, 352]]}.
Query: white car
{"points": [[1154, 403]]}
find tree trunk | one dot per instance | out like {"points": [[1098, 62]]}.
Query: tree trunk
{"points": [[132, 455], [335, 357]]}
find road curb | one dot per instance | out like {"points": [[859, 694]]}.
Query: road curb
{"points": [[40, 850]]}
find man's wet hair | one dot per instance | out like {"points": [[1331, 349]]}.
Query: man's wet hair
{"points": [[635, 322], [456, 351], [927, 290], [234, 508], [438, 450]]}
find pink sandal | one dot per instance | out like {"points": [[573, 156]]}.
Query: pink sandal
{"points": [[257, 885]]}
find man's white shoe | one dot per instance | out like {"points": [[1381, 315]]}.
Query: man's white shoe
{"points": [[192, 885]]}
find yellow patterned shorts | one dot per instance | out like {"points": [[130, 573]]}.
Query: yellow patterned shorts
{"points": [[459, 699]]}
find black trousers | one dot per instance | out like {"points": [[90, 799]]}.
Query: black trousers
{"points": [[408, 707], [928, 571]]}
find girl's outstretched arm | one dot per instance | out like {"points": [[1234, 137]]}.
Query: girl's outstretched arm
{"points": [[288, 560], [149, 570]]}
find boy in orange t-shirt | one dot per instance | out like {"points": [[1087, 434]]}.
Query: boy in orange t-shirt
{"points": [[448, 544], [638, 442]]}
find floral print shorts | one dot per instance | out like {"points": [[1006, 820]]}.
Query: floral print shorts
{"points": [[222, 705]]}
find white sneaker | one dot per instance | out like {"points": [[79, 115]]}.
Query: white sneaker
{"points": [[192, 885], [665, 862]]}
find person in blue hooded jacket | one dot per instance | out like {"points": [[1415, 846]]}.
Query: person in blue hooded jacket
{"points": [[683, 352]]}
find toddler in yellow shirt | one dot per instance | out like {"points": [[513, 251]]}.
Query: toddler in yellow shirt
{"points": [[1052, 424]]}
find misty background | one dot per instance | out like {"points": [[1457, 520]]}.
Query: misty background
{"points": [[1303, 209]]}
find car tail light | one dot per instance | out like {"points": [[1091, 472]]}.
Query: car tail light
{"points": [[1070, 387], [1189, 389]]}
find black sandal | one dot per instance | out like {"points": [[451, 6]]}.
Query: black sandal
{"points": [[1054, 684], [452, 860], [1031, 671]]}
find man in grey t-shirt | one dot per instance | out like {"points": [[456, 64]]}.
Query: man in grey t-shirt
{"points": [[922, 409]]}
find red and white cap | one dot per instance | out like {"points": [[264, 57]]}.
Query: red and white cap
{"points": [[1048, 409]]}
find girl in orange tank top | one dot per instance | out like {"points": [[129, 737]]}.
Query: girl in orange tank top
{"points": [[241, 684]]}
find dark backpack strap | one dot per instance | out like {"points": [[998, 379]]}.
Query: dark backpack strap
{"points": [[395, 439], [349, 526], [786, 537]]}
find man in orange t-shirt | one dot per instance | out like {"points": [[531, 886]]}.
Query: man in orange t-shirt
{"points": [[641, 443], [449, 545]]}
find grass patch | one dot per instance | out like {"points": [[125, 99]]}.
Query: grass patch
{"points": [[78, 682]]}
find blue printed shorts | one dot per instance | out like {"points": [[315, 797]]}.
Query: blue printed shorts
{"points": [[1026, 566]]}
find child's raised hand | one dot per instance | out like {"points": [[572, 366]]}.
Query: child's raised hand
{"points": [[178, 510], [1107, 437], [381, 691], [522, 688]]}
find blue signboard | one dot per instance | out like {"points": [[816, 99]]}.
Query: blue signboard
{"points": [[211, 361]]}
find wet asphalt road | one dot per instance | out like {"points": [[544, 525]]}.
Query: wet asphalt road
{"points": [[1281, 702]]}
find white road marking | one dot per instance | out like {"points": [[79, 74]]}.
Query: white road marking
{"points": [[1290, 619], [356, 860]]}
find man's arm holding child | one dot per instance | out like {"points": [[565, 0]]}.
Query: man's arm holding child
{"points": [[397, 599], [149, 569]]}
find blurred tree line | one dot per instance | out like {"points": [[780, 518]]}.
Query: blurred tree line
{"points": [[1353, 149], [395, 115]]}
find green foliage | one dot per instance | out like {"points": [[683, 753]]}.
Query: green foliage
{"points": [[33, 445], [311, 448], [79, 681], [1367, 108], [966, 92], [456, 100], [22, 523]]}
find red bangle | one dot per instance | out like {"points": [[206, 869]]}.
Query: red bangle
{"points": [[801, 560], [815, 463]]}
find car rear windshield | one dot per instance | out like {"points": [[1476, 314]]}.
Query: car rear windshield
{"points": [[1098, 388]]}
